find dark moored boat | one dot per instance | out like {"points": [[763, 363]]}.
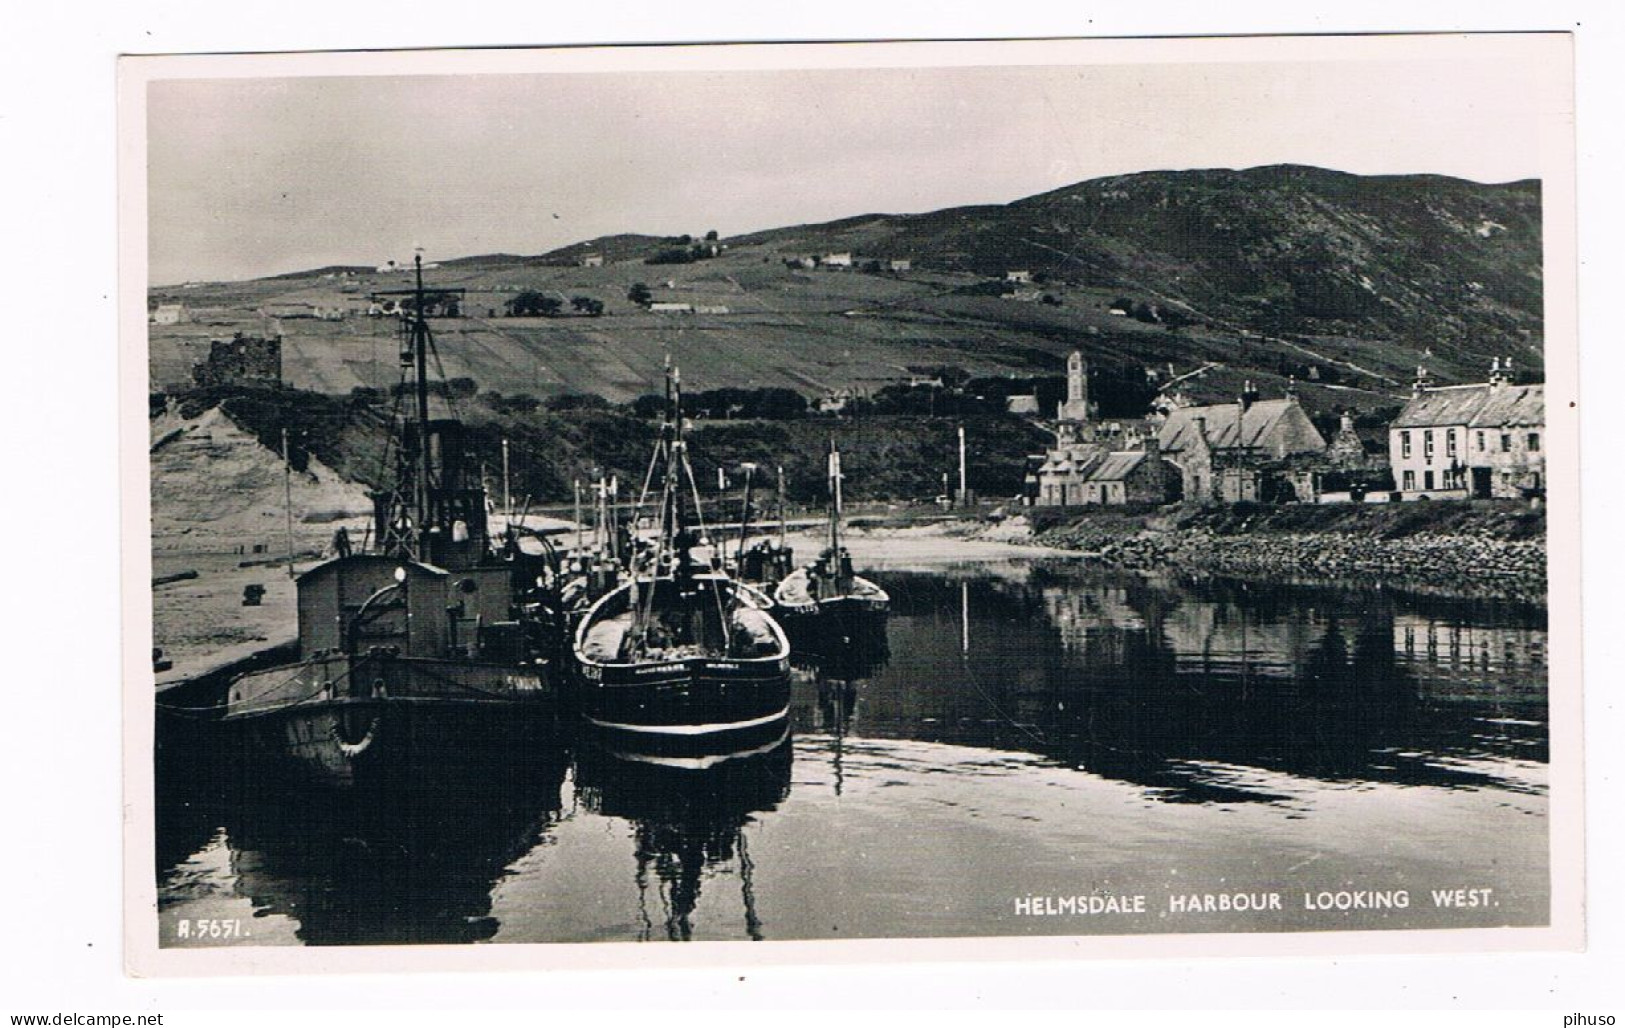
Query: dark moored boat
{"points": [[431, 655], [681, 651], [826, 597]]}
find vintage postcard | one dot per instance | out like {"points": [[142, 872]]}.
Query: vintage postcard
{"points": [[1095, 497]]}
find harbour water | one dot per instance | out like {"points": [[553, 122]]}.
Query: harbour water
{"points": [[1041, 747]]}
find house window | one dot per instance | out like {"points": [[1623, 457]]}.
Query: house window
{"points": [[1427, 446], [1450, 443], [1480, 440], [1410, 481], [1534, 442], [1427, 480], [1506, 442], [1405, 445]]}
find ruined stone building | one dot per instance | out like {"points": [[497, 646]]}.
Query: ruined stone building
{"points": [[241, 360]]}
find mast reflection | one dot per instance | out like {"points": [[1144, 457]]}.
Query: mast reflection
{"points": [[689, 816]]}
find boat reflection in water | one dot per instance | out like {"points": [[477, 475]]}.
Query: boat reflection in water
{"points": [[348, 868], [689, 817], [834, 675], [1021, 722]]}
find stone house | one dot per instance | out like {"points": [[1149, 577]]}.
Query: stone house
{"points": [[1239, 452], [1480, 440], [1131, 476]]}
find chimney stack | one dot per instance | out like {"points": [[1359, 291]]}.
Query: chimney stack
{"points": [[1249, 396]]}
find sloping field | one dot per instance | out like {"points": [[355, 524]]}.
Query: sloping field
{"points": [[811, 331]]}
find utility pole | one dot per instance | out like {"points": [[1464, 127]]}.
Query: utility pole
{"points": [[963, 496], [287, 495], [507, 497], [580, 541], [780, 505]]}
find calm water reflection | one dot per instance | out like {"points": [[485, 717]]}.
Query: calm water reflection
{"points": [[1033, 729]]}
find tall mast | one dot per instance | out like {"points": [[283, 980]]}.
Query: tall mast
{"points": [[674, 466], [781, 506], [420, 344], [834, 499], [744, 516]]}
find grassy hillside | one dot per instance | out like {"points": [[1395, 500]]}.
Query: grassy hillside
{"points": [[1346, 283]]}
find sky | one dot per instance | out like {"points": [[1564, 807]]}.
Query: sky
{"points": [[261, 175]]}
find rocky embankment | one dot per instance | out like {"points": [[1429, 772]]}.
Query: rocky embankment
{"points": [[1460, 549]]}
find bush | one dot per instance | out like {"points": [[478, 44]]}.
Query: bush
{"points": [[648, 406], [531, 304], [577, 401]]}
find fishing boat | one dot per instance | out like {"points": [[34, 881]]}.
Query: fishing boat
{"points": [[827, 598], [428, 651], [680, 651]]}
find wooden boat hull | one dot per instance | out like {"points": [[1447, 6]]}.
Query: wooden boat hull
{"points": [[857, 617], [684, 696], [391, 723], [685, 699]]}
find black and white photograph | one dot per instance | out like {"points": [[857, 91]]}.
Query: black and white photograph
{"points": [[1117, 490]]}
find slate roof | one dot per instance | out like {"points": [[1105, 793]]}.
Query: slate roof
{"points": [[1513, 405], [1063, 463], [1118, 466], [1479, 406], [1179, 431]]}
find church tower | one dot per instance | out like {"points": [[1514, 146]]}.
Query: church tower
{"points": [[1076, 405]]}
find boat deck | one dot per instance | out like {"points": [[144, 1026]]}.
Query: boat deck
{"points": [[797, 589], [752, 632]]}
